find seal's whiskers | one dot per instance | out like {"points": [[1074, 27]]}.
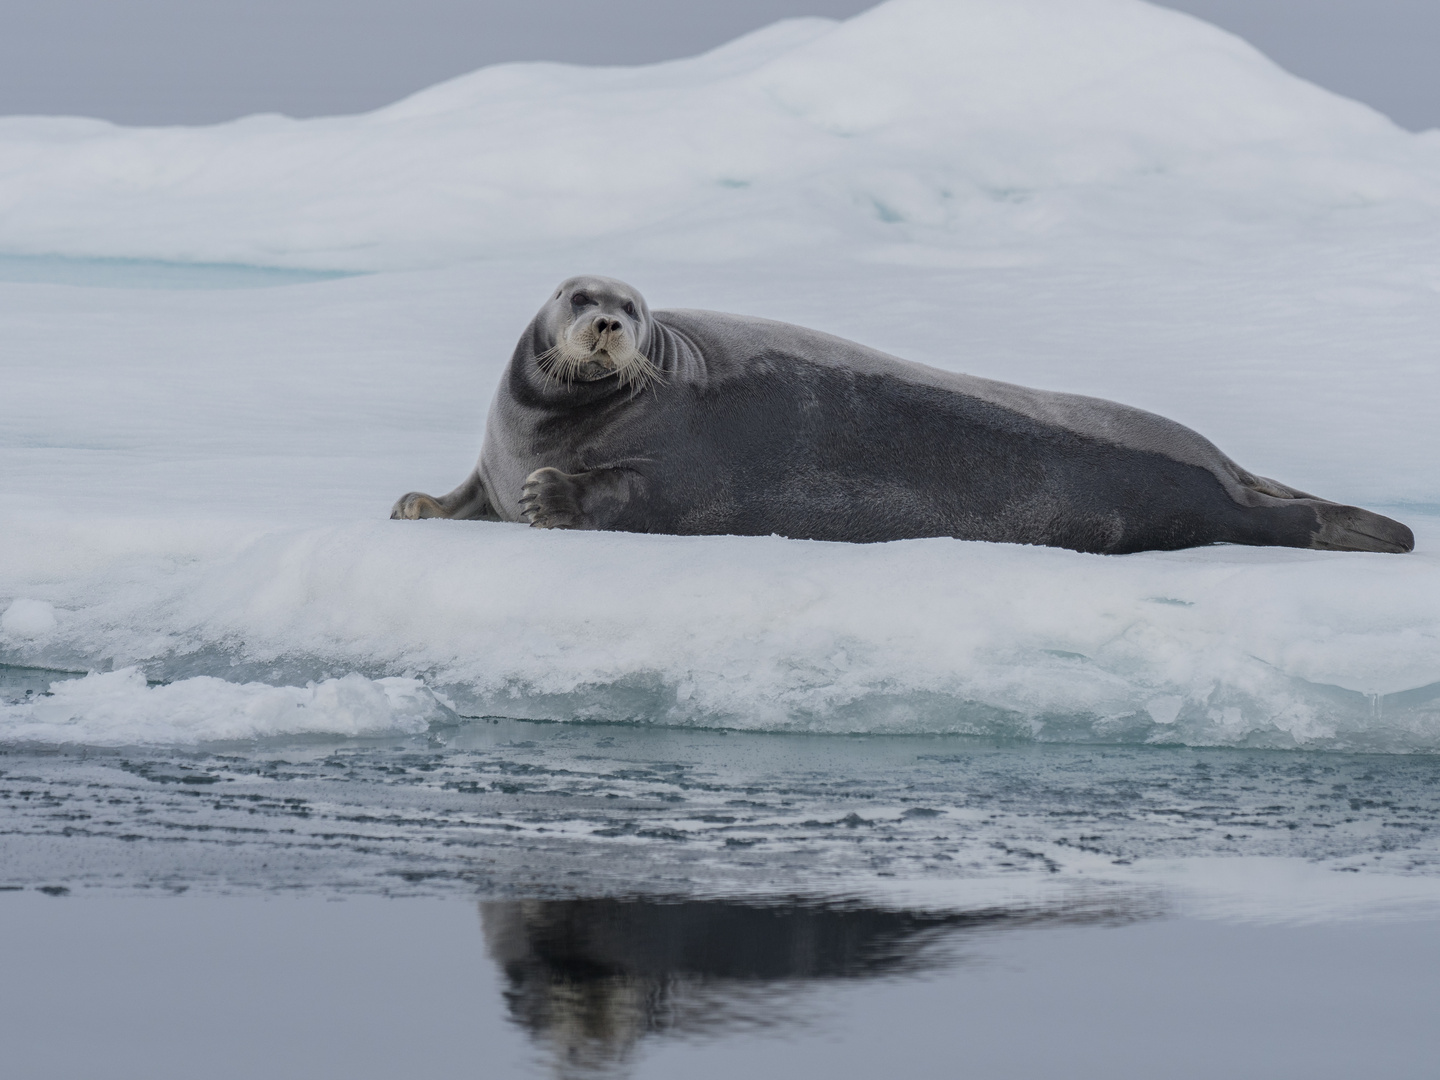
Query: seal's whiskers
{"points": [[563, 361]]}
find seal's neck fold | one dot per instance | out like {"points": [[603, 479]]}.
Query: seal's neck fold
{"points": [[674, 355]]}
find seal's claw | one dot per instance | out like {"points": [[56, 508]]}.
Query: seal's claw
{"points": [[549, 500]]}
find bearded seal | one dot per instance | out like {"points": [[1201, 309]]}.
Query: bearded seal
{"points": [[688, 422]]}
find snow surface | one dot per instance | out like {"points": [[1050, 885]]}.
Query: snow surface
{"points": [[1088, 195], [118, 707]]}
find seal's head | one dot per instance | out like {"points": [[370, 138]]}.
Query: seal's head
{"points": [[596, 328]]}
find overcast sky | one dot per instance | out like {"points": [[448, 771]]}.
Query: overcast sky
{"points": [[199, 61]]}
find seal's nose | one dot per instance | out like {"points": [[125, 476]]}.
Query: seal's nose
{"points": [[602, 324]]}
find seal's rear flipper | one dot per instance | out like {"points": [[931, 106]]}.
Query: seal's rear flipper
{"points": [[1348, 528]]}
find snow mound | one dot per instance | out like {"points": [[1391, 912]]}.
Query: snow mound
{"points": [[26, 618], [118, 708], [1219, 646], [934, 121]]}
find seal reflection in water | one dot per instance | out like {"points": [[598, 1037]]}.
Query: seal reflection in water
{"points": [[610, 416], [590, 978]]}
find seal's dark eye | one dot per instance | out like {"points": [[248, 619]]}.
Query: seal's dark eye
{"points": [[629, 309], [580, 299]]}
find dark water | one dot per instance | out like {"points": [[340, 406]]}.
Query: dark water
{"points": [[665, 902], [512, 808]]}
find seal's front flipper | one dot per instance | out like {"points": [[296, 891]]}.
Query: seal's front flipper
{"points": [[1348, 528], [468, 502], [552, 499], [417, 505]]}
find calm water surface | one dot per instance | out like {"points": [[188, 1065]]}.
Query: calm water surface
{"points": [[501, 898]]}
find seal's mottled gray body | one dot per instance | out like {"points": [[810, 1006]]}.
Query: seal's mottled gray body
{"points": [[695, 422]]}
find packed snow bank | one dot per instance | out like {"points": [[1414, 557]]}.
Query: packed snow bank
{"points": [[942, 122], [197, 483], [118, 708], [1222, 646]]}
